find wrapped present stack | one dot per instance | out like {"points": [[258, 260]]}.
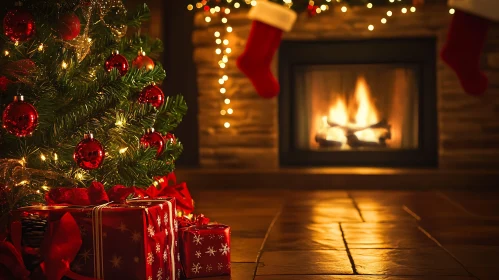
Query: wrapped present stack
{"points": [[145, 237]]}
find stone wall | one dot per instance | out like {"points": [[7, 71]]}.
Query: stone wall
{"points": [[468, 127]]}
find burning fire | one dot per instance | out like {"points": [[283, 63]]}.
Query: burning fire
{"points": [[360, 113]]}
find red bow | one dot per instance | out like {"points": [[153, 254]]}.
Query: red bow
{"points": [[96, 194], [199, 221], [60, 246]]}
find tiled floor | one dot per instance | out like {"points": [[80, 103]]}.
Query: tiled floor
{"points": [[358, 235]]}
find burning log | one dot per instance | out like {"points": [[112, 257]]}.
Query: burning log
{"points": [[354, 142], [351, 130], [324, 143]]}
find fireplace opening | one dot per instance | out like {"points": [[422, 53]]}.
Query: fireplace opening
{"points": [[358, 103]]}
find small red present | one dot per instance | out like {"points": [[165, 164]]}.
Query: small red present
{"points": [[133, 240], [205, 248]]}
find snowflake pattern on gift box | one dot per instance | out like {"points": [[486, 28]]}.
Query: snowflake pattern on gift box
{"points": [[221, 236], [149, 278], [212, 236], [150, 231], [225, 249], [122, 227], [198, 254], [176, 225], [158, 220], [158, 248], [161, 206], [159, 275], [83, 230], [208, 268], [165, 256], [166, 232], [220, 266], [197, 239], [165, 219], [136, 236], [211, 251], [150, 258], [176, 243], [196, 267], [178, 256]]}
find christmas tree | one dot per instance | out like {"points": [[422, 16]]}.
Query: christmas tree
{"points": [[81, 102]]}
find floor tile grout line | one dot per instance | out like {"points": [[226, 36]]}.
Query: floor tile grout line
{"points": [[274, 220], [412, 213], [462, 208], [447, 251], [356, 206], [352, 263]]}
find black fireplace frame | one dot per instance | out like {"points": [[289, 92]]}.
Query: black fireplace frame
{"points": [[420, 52]]}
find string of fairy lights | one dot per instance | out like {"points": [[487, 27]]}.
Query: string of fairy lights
{"points": [[222, 42]]}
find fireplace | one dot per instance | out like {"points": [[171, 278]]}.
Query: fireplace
{"points": [[358, 103]]}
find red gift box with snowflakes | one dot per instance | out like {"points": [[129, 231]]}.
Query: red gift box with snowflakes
{"points": [[205, 250], [134, 240]]}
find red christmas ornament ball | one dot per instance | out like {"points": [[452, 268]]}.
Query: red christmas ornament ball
{"points": [[117, 61], [69, 26], [89, 153], [170, 137], [153, 95], [19, 25], [143, 61], [20, 118], [312, 10], [153, 139]]}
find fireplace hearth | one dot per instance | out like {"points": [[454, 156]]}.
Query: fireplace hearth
{"points": [[358, 103]]}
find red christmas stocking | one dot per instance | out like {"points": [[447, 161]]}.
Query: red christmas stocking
{"points": [[465, 41], [269, 22]]}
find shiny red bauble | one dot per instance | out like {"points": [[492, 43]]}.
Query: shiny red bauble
{"points": [[69, 26], [19, 25], [143, 61], [169, 137], [89, 153], [312, 10], [153, 95], [20, 118], [153, 139], [117, 61]]}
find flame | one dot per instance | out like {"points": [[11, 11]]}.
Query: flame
{"points": [[366, 114]]}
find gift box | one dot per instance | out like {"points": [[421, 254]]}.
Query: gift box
{"points": [[133, 240], [205, 249]]}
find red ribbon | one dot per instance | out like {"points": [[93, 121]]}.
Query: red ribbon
{"points": [[199, 221], [60, 246], [96, 194]]}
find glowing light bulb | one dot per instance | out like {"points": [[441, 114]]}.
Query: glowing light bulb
{"points": [[212, 10], [207, 19], [224, 20], [323, 7], [218, 51], [391, 1], [237, 5], [226, 124], [389, 13], [318, 10], [223, 90], [225, 59], [217, 34], [199, 5], [56, 157], [123, 150], [383, 20], [369, 5], [229, 29], [230, 111], [253, 3], [225, 77], [228, 50], [190, 7], [370, 27], [42, 157], [404, 10], [79, 176], [413, 9], [452, 11], [222, 65], [227, 101], [221, 81], [64, 65], [223, 112], [226, 42], [344, 9], [227, 11], [6, 53], [218, 41], [217, 9], [40, 47]]}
